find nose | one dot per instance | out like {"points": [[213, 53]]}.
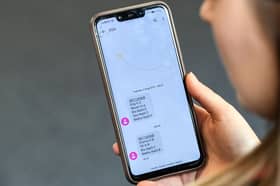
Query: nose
{"points": [[205, 11]]}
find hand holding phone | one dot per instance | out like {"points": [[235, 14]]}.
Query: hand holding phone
{"points": [[223, 129]]}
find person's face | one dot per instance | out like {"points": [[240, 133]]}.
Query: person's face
{"points": [[246, 51]]}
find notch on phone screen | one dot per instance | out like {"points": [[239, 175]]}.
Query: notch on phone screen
{"points": [[133, 14]]}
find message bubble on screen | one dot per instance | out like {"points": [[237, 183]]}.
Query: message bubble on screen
{"points": [[140, 107], [149, 144]]}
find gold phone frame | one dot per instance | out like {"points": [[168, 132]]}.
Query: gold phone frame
{"points": [[108, 91]]}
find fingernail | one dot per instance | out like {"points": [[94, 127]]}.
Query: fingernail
{"points": [[193, 76]]}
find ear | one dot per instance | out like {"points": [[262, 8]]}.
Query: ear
{"points": [[206, 10]]}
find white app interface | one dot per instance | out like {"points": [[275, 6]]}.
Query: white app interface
{"points": [[148, 91]]}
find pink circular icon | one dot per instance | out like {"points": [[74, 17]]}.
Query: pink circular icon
{"points": [[133, 155], [125, 121]]}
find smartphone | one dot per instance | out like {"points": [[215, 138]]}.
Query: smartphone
{"points": [[143, 74]]}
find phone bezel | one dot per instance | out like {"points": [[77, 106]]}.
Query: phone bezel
{"points": [[159, 173]]}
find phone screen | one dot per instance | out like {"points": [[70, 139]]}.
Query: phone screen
{"points": [[147, 85]]}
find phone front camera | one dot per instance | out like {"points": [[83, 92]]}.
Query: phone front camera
{"points": [[120, 17]]}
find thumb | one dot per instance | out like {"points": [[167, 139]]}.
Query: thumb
{"points": [[208, 99]]}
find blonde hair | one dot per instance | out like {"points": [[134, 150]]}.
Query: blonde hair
{"points": [[260, 167]]}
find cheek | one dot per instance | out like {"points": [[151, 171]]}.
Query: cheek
{"points": [[257, 86], [245, 57], [230, 28], [230, 35], [251, 72]]}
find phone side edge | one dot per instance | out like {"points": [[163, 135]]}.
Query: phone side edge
{"points": [[109, 96]]}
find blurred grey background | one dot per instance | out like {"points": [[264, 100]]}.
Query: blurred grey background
{"points": [[55, 127]]}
